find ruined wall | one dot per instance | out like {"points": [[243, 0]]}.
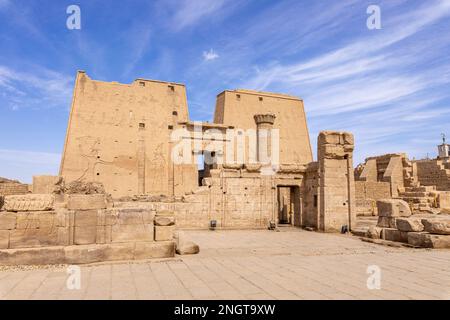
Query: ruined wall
{"points": [[367, 193], [394, 175], [11, 187], [337, 182], [118, 134], [238, 107], [433, 173], [80, 229], [310, 195]]}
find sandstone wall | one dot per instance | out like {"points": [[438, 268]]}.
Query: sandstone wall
{"points": [[238, 107], [433, 173], [79, 230], [310, 195], [11, 188], [336, 188], [119, 135], [367, 193]]}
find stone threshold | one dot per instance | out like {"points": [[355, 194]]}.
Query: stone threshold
{"points": [[86, 254]]}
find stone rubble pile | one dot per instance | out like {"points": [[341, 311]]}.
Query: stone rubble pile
{"points": [[396, 223]]}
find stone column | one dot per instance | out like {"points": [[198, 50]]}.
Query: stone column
{"points": [[264, 124], [336, 184]]}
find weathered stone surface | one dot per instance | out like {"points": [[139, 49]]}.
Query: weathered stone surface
{"points": [[29, 238], [45, 184], [183, 245], [132, 232], [427, 240], [32, 256], [135, 216], [29, 202], [85, 235], [373, 232], [437, 226], [149, 250], [8, 220], [35, 219], [409, 224], [387, 222], [391, 234], [393, 208], [86, 201], [4, 239], [85, 218], [62, 217], [2, 201], [63, 236], [164, 220], [164, 233]]}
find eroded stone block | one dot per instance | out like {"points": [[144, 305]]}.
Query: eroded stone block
{"points": [[86, 201], [29, 202], [387, 222], [164, 220], [85, 218], [4, 239], [374, 232], [393, 208], [29, 238], [391, 234], [85, 235], [32, 256], [437, 226], [164, 233], [35, 219], [132, 232], [409, 224], [427, 240], [149, 250], [8, 220]]}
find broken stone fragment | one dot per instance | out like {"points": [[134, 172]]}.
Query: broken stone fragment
{"points": [[437, 226], [29, 202], [387, 222], [409, 224], [391, 234], [426, 240], [184, 246], [393, 208], [373, 232]]}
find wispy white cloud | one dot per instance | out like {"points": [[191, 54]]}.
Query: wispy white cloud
{"points": [[39, 89], [210, 55], [189, 12]]}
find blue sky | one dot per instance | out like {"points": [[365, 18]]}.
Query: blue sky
{"points": [[390, 87]]}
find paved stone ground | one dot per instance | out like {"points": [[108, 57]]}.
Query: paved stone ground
{"points": [[291, 264]]}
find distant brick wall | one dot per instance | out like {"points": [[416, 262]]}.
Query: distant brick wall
{"points": [[7, 189]]}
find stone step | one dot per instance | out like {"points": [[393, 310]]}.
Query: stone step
{"points": [[421, 189], [413, 194]]}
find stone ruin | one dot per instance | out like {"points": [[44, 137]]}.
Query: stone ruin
{"points": [[411, 198], [129, 181], [423, 184], [396, 223]]}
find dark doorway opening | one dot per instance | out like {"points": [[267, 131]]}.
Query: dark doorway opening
{"points": [[288, 199]]}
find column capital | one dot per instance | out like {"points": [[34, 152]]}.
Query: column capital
{"points": [[264, 118]]}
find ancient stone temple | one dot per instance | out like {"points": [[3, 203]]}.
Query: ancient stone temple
{"points": [[129, 175], [138, 140]]}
